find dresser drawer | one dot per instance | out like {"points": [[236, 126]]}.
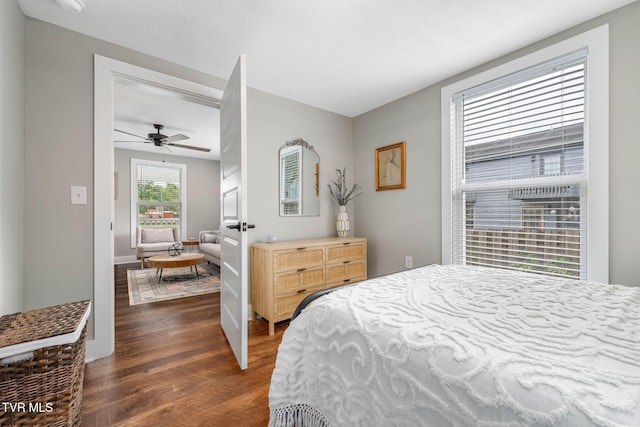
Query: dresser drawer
{"points": [[345, 251], [285, 305], [298, 279], [346, 282], [346, 270], [293, 259]]}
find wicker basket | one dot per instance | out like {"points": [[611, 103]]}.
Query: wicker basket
{"points": [[42, 365]]}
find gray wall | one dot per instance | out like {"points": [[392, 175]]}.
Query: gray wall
{"points": [[59, 153], [407, 222], [273, 121], [203, 196], [11, 156]]}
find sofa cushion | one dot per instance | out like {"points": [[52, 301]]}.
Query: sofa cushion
{"points": [[156, 235], [154, 247], [212, 249]]}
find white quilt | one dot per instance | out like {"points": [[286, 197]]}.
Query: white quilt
{"points": [[462, 346]]}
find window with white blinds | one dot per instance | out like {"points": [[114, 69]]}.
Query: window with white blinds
{"points": [[518, 170], [525, 162], [290, 180], [158, 195]]}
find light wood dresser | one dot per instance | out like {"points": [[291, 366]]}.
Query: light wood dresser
{"points": [[283, 273]]}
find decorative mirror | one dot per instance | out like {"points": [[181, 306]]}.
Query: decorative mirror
{"points": [[299, 179]]}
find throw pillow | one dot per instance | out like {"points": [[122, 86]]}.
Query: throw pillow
{"points": [[156, 235], [210, 238]]}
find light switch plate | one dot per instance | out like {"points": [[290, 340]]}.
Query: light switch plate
{"points": [[78, 195]]}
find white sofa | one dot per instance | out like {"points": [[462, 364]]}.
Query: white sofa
{"points": [[152, 241], [209, 245]]}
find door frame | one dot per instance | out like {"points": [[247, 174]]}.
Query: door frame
{"points": [[106, 71]]}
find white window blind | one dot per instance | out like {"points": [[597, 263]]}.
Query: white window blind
{"points": [[158, 195], [290, 175], [519, 185]]}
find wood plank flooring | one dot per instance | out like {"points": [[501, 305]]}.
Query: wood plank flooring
{"points": [[172, 366]]}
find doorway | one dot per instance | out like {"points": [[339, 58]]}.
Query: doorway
{"points": [[106, 72], [191, 126]]}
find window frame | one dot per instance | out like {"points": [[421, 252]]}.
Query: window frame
{"points": [[596, 41], [133, 208]]}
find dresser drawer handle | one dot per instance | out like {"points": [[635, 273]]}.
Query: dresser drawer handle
{"points": [[301, 291], [300, 249], [346, 280], [346, 243], [346, 262], [301, 270]]}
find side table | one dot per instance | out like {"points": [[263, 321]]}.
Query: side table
{"points": [[190, 243]]}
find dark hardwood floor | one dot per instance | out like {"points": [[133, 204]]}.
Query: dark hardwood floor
{"points": [[172, 366]]}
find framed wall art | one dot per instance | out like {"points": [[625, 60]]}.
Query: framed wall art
{"points": [[391, 167]]}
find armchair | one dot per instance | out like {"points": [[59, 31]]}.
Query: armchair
{"points": [[210, 245], [152, 241]]}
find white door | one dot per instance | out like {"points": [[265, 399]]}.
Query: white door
{"points": [[234, 294]]}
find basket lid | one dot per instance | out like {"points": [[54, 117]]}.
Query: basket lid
{"points": [[30, 330]]}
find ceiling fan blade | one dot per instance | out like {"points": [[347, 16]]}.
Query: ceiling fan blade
{"points": [[132, 134], [138, 142], [177, 137], [190, 147]]}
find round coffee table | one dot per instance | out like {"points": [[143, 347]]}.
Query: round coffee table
{"points": [[161, 262]]}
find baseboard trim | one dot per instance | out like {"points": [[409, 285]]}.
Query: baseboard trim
{"points": [[127, 259]]}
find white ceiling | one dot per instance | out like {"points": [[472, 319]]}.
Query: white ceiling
{"points": [[137, 107], [345, 56]]}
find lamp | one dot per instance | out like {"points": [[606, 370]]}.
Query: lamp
{"points": [[71, 5]]}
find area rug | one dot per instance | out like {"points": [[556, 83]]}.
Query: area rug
{"points": [[181, 282]]}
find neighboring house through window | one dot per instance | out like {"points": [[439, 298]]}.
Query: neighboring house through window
{"points": [[158, 195], [525, 156]]}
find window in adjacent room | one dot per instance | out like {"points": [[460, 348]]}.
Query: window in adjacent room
{"points": [[158, 195], [523, 147]]}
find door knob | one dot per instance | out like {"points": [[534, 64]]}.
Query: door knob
{"points": [[244, 226]]}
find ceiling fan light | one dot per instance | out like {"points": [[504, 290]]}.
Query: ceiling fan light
{"points": [[71, 5]]}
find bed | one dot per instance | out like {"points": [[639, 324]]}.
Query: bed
{"points": [[462, 346]]}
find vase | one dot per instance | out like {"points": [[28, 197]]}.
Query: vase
{"points": [[342, 225]]}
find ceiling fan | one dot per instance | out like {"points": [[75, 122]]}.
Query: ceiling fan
{"points": [[160, 140]]}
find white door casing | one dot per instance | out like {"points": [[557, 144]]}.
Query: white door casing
{"points": [[234, 263], [106, 71]]}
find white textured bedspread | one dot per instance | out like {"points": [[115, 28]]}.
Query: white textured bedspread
{"points": [[462, 346]]}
